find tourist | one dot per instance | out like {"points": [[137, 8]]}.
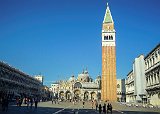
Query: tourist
{"points": [[110, 108], [31, 101], [104, 108], [28, 100], [52, 100], [5, 104], [36, 102], [100, 108], [17, 101]]}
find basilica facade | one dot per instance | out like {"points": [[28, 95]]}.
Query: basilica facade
{"points": [[82, 88]]}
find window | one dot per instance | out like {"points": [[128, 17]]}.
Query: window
{"points": [[111, 37], [118, 86], [77, 85], [105, 37]]}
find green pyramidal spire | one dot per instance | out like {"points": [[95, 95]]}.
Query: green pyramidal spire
{"points": [[108, 16]]}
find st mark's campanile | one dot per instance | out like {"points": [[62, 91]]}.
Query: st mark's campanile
{"points": [[109, 82]]}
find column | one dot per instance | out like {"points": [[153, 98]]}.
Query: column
{"points": [[149, 80], [156, 76], [154, 81]]}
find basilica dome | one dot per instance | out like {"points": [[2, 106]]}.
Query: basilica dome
{"points": [[84, 76]]}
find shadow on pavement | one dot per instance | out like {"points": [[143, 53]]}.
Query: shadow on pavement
{"points": [[139, 112]]}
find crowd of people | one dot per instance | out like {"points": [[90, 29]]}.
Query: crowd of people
{"points": [[105, 109], [28, 102], [4, 103]]}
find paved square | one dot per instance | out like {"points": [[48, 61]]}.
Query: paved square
{"points": [[70, 108]]}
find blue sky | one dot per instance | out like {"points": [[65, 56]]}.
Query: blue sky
{"points": [[58, 38]]}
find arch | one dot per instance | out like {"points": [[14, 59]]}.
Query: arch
{"points": [[153, 60], [86, 95], [77, 94], [118, 86], [61, 94], [105, 37], [111, 37], [68, 95], [77, 85], [93, 96]]}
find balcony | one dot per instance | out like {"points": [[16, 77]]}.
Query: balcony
{"points": [[152, 67]]}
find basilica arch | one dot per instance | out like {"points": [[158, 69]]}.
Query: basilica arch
{"points": [[86, 95], [68, 95], [78, 85], [93, 95], [77, 94], [61, 95]]}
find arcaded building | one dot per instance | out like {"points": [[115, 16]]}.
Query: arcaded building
{"points": [[14, 82]]}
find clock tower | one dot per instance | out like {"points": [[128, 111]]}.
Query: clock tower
{"points": [[109, 81]]}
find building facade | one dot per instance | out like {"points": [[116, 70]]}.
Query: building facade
{"points": [[136, 82], [140, 80], [40, 78], [109, 83], [14, 82], [84, 88], [121, 90], [130, 87], [143, 82], [152, 73], [81, 88]]}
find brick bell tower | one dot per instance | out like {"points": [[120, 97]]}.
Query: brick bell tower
{"points": [[109, 81]]}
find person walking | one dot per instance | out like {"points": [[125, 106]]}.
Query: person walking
{"points": [[31, 101], [36, 102], [17, 101], [28, 100], [52, 100], [104, 108], [100, 108], [110, 108]]}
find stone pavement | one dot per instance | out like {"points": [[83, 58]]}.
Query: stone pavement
{"points": [[69, 108]]}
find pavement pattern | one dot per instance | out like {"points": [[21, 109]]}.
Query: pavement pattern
{"points": [[70, 108]]}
